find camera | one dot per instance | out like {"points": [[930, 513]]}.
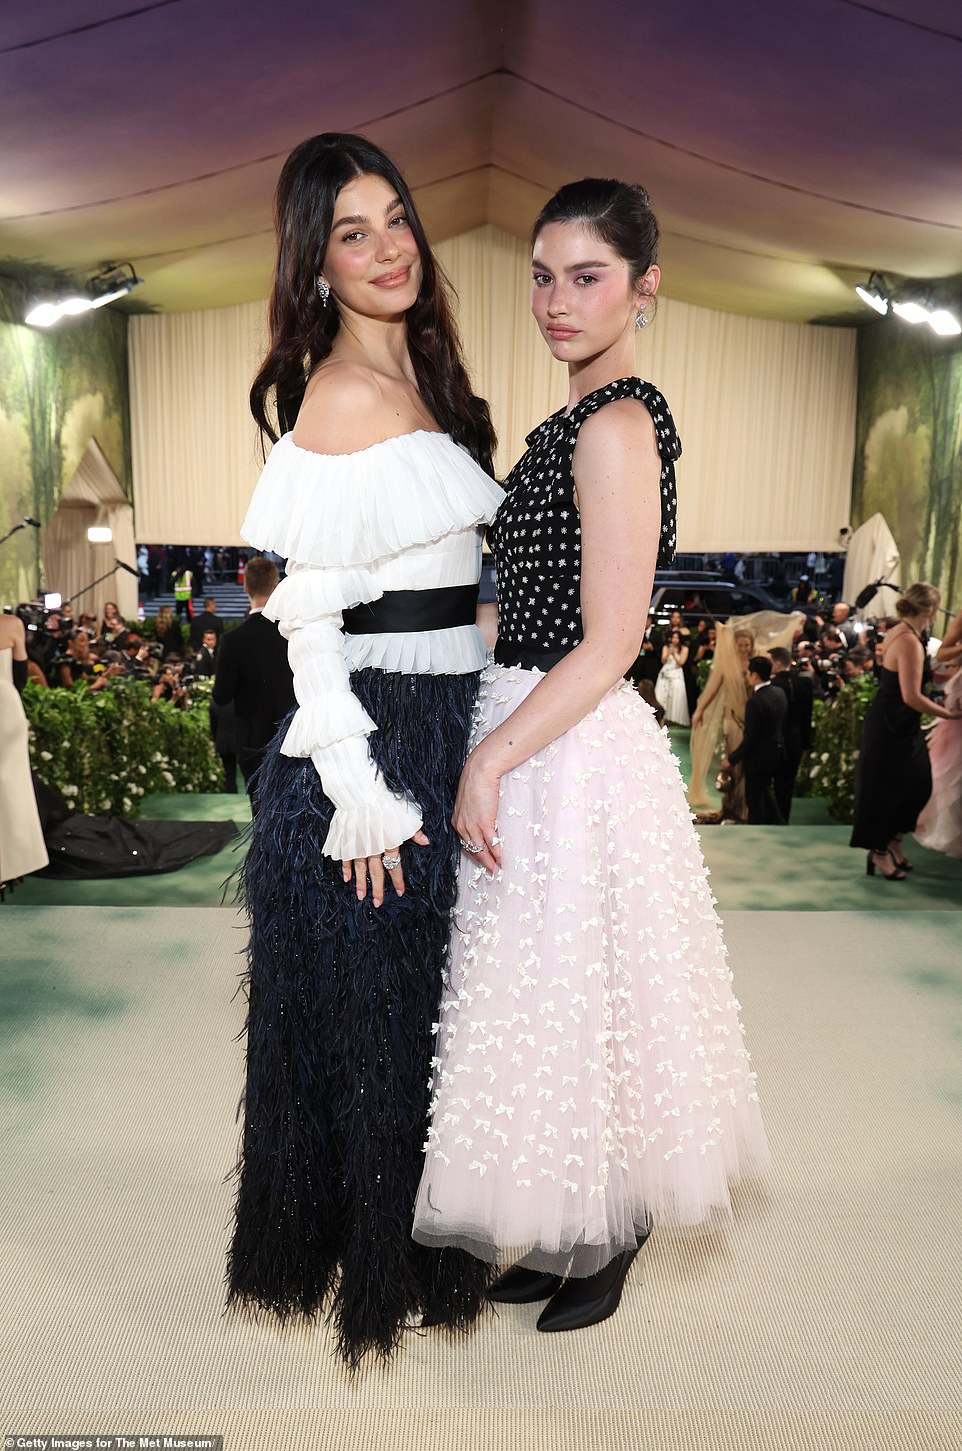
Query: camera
{"points": [[32, 614]]}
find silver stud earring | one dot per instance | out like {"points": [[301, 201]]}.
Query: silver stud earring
{"points": [[323, 290], [642, 319]]}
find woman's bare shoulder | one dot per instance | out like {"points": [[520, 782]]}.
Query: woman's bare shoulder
{"points": [[623, 424], [901, 640], [344, 410]]}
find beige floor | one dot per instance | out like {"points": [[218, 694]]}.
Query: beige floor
{"points": [[828, 1318]]}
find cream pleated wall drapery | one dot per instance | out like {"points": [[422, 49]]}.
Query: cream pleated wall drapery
{"points": [[766, 410]]}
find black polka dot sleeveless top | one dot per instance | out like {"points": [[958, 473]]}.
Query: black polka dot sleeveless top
{"points": [[536, 534]]}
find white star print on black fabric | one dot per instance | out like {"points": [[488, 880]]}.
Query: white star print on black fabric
{"points": [[536, 535]]}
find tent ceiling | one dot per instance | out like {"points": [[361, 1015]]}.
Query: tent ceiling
{"points": [[789, 148]]}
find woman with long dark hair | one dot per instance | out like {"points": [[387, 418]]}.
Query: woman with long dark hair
{"points": [[376, 494], [592, 1074]]}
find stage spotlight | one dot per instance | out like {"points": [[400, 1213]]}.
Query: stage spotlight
{"points": [[112, 281], [98, 534], [44, 314], [945, 323], [874, 293], [913, 312]]}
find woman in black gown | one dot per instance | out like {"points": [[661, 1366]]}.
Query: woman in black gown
{"points": [[894, 778], [376, 494]]}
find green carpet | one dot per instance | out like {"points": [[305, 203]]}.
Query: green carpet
{"points": [[820, 1321]]}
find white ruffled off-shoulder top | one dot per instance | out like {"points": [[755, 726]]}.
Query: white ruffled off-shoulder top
{"points": [[405, 514]]}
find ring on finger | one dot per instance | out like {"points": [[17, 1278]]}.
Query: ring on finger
{"points": [[472, 846], [391, 862]]}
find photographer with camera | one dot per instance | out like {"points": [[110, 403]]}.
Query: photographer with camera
{"points": [[843, 624], [205, 659], [171, 684], [80, 662], [45, 640]]}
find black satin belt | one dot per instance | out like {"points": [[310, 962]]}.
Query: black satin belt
{"points": [[401, 611], [507, 654]]}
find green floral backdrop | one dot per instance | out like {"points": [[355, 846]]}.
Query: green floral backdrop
{"points": [[908, 447], [58, 389]]}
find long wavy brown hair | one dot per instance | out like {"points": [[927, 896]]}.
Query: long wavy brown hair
{"points": [[303, 329]]}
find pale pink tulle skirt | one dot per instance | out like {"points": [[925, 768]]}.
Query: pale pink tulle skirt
{"points": [[940, 825], [591, 1069]]}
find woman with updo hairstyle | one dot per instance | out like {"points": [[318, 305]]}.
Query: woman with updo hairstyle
{"points": [[893, 779], [376, 493], [591, 1074]]}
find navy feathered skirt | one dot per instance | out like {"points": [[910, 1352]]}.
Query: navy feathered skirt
{"points": [[342, 999]]}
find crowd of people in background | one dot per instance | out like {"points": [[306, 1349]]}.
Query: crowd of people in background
{"points": [[64, 650], [756, 709], [830, 649], [755, 712], [248, 668], [188, 569]]}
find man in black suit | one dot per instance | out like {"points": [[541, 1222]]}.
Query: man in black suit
{"points": [[253, 674], [648, 663], [208, 619], [763, 745], [799, 692]]}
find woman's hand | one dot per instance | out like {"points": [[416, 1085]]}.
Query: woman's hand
{"points": [[373, 867], [475, 815], [696, 719]]}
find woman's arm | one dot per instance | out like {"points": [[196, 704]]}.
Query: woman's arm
{"points": [[683, 656], [19, 634], [343, 412], [665, 652], [617, 473], [487, 622]]}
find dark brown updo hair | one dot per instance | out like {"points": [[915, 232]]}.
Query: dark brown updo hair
{"points": [[303, 329], [918, 599], [618, 213]]}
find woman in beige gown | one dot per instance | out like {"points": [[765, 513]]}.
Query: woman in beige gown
{"points": [[21, 840], [718, 723]]}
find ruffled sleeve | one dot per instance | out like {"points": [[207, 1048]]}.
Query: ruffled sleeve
{"points": [[330, 724], [335, 518]]}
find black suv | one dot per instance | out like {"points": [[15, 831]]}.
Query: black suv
{"points": [[702, 596], [699, 596]]}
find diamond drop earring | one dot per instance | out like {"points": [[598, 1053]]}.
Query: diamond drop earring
{"points": [[323, 290], [642, 319]]}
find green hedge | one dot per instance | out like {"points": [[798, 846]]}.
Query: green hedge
{"points": [[147, 630], [828, 770], [105, 750]]}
